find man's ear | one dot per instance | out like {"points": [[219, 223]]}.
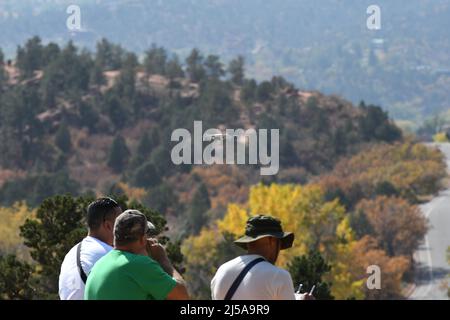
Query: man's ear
{"points": [[144, 240], [109, 225]]}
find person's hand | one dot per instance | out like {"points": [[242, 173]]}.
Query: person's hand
{"points": [[304, 296], [156, 250]]}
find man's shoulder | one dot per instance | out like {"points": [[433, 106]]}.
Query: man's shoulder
{"points": [[70, 257], [131, 259], [281, 275], [92, 244], [230, 264]]}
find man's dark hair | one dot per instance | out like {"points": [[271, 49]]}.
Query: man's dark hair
{"points": [[99, 211]]}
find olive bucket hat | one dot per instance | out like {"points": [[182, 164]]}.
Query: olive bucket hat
{"points": [[265, 226]]}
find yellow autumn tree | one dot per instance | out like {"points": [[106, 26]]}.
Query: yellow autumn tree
{"points": [[345, 283], [301, 209], [317, 224], [234, 221], [131, 192], [203, 254], [12, 218]]}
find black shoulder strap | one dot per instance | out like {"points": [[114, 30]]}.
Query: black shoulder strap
{"points": [[80, 268], [240, 277]]}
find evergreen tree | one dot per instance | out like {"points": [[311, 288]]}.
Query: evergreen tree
{"points": [[70, 72], [50, 53], [174, 68], [264, 91], [146, 176], [114, 108], [308, 270], [160, 158], [248, 92], [96, 77], [194, 63], [215, 104], [161, 198], [214, 68], [236, 70], [109, 56], [374, 124], [15, 279], [30, 57], [197, 215], [118, 154], [155, 61], [89, 117], [57, 227], [148, 142], [63, 139], [126, 84]]}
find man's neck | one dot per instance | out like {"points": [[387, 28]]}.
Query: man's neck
{"points": [[132, 250], [98, 237], [256, 252]]}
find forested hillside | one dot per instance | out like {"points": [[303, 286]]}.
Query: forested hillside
{"points": [[94, 123]]}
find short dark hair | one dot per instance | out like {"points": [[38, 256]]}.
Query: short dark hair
{"points": [[100, 210]]}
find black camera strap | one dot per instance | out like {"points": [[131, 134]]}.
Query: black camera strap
{"points": [[80, 268], [240, 277]]}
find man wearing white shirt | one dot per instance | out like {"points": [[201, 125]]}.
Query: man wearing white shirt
{"points": [[254, 276], [78, 262]]}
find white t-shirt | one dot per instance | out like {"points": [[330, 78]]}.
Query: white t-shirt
{"points": [[71, 287], [263, 282]]}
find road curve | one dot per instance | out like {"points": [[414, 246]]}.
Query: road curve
{"points": [[431, 260]]}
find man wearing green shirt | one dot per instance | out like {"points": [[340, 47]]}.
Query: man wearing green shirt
{"points": [[137, 268]]}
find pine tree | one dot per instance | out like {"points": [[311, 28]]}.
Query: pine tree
{"points": [[248, 92], [126, 84], [197, 215], [155, 61], [214, 68], [63, 139], [236, 69], [30, 57], [194, 63], [146, 176], [148, 142], [308, 270], [108, 55], [161, 198], [118, 154], [174, 68], [15, 279], [264, 91], [96, 77]]}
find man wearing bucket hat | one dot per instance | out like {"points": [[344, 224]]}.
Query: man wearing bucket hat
{"points": [[254, 276]]}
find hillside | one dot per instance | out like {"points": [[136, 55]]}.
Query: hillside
{"points": [[86, 124], [93, 120]]}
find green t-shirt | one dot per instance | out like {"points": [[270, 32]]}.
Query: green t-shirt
{"points": [[121, 275]]}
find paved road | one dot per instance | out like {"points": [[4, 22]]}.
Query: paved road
{"points": [[433, 268]]}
